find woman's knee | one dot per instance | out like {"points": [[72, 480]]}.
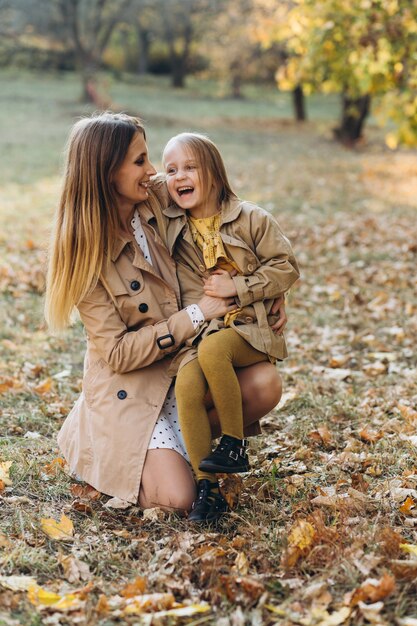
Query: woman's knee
{"points": [[167, 482]]}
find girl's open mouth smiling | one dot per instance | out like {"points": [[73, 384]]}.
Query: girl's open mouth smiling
{"points": [[185, 190]]}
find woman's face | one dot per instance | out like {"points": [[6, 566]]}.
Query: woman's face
{"points": [[131, 179]]}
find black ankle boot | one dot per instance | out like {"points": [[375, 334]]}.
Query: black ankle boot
{"points": [[209, 505], [228, 458]]}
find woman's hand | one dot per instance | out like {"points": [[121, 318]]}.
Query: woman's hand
{"points": [[216, 307], [220, 284], [279, 307]]}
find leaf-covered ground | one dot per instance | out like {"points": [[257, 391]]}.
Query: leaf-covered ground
{"points": [[325, 530]]}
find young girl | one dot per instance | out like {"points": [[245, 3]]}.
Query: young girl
{"points": [[224, 248]]}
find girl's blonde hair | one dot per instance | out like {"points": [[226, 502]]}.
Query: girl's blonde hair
{"points": [[87, 220], [206, 153]]}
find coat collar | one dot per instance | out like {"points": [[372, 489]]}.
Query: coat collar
{"points": [[230, 211], [121, 242]]}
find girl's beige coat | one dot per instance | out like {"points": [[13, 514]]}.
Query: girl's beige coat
{"points": [[129, 320], [254, 241]]}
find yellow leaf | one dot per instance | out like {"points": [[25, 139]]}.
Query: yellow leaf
{"points": [[4, 472], [37, 596], [42, 598], [276, 609], [64, 529], [301, 535], [409, 547]]}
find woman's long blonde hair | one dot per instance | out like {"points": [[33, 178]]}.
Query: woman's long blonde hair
{"points": [[87, 219]]}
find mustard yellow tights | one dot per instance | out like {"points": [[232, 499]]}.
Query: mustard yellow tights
{"points": [[218, 355]]}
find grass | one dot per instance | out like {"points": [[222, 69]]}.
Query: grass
{"points": [[351, 404]]}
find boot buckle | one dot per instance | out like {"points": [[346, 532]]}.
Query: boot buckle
{"points": [[233, 455]]}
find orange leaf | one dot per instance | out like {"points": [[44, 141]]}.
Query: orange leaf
{"points": [[407, 505], [44, 387], [373, 590], [135, 588], [54, 466], [321, 436], [85, 492], [408, 413], [102, 605], [370, 436]]}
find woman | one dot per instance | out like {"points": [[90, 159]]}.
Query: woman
{"points": [[109, 261]]}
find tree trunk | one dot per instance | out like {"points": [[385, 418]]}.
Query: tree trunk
{"points": [[144, 41], [354, 114], [299, 104], [237, 87], [178, 71]]}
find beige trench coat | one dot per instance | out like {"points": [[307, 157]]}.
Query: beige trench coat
{"points": [[253, 239], [134, 325]]}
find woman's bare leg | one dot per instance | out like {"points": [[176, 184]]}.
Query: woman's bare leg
{"points": [[261, 387], [167, 481]]}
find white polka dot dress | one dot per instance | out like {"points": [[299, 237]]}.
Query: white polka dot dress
{"points": [[167, 432]]}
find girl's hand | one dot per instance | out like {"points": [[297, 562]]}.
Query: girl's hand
{"points": [[220, 284], [279, 307], [216, 307]]}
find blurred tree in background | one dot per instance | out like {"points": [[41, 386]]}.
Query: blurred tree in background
{"points": [[359, 48], [366, 50]]}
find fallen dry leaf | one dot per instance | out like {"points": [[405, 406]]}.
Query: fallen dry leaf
{"points": [[231, 487], [74, 569], [85, 492], [54, 466], [17, 583], [408, 505], [300, 541], [44, 599], [59, 531], [241, 565], [4, 472], [134, 588], [373, 590], [44, 387], [149, 603], [370, 436], [321, 617], [409, 548]]}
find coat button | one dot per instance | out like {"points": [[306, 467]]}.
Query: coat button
{"points": [[135, 285], [201, 268], [122, 394], [248, 319], [143, 307], [250, 267]]}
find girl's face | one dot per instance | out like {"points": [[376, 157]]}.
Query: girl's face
{"points": [[184, 181], [131, 179]]}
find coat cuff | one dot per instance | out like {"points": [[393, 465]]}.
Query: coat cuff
{"points": [[248, 289]]}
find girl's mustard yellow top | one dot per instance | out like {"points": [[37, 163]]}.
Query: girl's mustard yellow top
{"points": [[206, 235]]}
